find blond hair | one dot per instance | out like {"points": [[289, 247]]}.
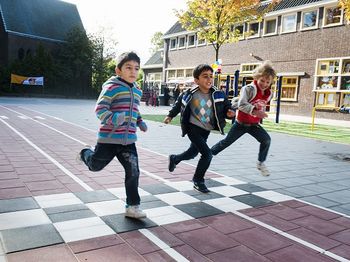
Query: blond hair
{"points": [[263, 70]]}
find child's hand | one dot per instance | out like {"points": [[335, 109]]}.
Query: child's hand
{"points": [[230, 113], [143, 127], [120, 118], [259, 113], [167, 120]]}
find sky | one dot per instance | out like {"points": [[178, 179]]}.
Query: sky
{"points": [[131, 22]]}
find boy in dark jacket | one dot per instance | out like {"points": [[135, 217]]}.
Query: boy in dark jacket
{"points": [[203, 108]]}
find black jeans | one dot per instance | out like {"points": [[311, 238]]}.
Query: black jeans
{"points": [[237, 130], [127, 156], [198, 137]]}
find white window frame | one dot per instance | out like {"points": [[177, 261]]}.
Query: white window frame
{"points": [[265, 22], [179, 40], [248, 64], [188, 40], [295, 24], [202, 44], [259, 27], [176, 43], [334, 24], [302, 28], [243, 25], [297, 85]]}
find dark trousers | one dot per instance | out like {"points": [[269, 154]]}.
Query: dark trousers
{"points": [[127, 156], [237, 130], [198, 137]]}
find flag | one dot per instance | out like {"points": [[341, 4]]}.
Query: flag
{"points": [[25, 80]]}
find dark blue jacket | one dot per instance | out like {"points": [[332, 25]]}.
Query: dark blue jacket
{"points": [[220, 105]]}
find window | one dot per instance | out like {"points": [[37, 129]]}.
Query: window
{"points": [[332, 16], [200, 41], [171, 74], [325, 99], [248, 68], [172, 43], [182, 42], [180, 73], [289, 88], [189, 73], [309, 20], [327, 74], [239, 31], [289, 23], [191, 40], [270, 27], [254, 29]]}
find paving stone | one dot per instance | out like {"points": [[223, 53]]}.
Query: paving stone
{"points": [[158, 189], [237, 254], [198, 209], [253, 200], [213, 183], [260, 240], [227, 223], [153, 204], [315, 238], [319, 201], [184, 226], [250, 187], [119, 223], [318, 225], [120, 252], [343, 236], [340, 196], [297, 253], [343, 221], [95, 196], [342, 250], [277, 222], [166, 236], [17, 204], [207, 240], [95, 243], [159, 256], [140, 243], [71, 215], [66, 208], [51, 253], [191, 254], [19, 239], [283, 212], [318, 212]]}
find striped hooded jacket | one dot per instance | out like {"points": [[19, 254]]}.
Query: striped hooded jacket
{"points": [[220, 106], [118, 110]]}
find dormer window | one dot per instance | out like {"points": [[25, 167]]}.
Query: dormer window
{"points": [[182, 42], [173, 43]]}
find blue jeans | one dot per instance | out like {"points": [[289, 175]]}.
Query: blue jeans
{"points": [[198, 137], [237, 130], [127, 156]]}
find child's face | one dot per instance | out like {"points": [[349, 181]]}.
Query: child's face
{"points": [[264, 82], [129, 71], [205, 80]]}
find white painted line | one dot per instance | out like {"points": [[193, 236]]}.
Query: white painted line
{"points": [[23, 117], [154, 176], [4, 117], [39, 117], [161, 244], [66, 171]]}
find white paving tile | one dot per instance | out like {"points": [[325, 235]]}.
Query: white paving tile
{"points": [[226, 204], [161, 211], [105, 208], [23, 219], [228, 180], [168, 219], [120, 192], [57, 200], [273, 196], [228, 191], [177, 198], [181, 185], [80, 229]]}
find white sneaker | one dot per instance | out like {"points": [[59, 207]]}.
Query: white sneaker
{"points": [[134, 212], [263, 169], [79, 157]]}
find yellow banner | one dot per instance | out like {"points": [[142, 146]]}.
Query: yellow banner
{"points": [[25, 80]]}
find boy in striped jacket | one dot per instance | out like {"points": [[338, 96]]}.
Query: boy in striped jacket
{"points": [[118, 110]]}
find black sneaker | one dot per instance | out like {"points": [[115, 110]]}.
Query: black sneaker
{"points": [[171, 164], [201, 187]]}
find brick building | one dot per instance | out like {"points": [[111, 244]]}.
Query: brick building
{"points": [[307, 42]]}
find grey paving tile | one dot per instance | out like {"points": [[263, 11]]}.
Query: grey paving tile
{"points": [[30, 237], [199, 209], [342, 197], [250, 187], [149, 198], [153, 204], [201, 196], [18, 204], [119, 223], [71, 215], [253, 200], [62, 209], [95, 196], [267, 184], [213, 183], [158, 189], [341, 209], [319, 201]]}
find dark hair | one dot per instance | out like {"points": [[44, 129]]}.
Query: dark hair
{"points": [[126, 57], [200, 68]]}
